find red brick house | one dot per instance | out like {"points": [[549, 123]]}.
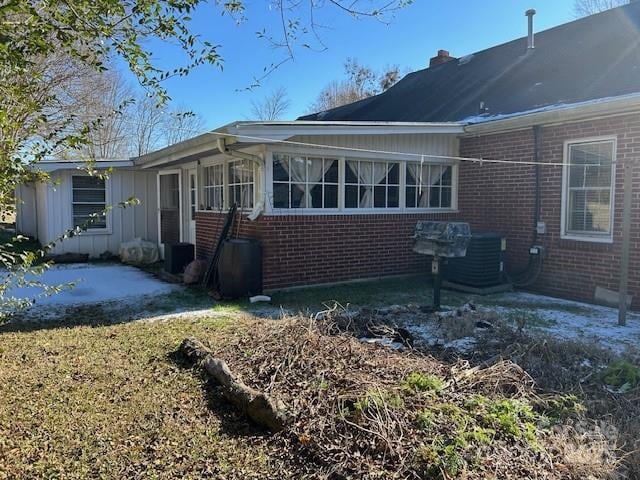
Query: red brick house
{"points": [[335, 196]]}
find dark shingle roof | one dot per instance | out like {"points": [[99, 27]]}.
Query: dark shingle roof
{"points": [[591, 58]]}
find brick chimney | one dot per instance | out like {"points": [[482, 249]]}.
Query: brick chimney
{"points": [[442, 57]]}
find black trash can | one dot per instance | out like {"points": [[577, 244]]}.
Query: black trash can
{"points": [[177, 256], [240, 268]]}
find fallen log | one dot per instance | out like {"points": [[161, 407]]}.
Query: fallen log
{"points": [[259, 407]]}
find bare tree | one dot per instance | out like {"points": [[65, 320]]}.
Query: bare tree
{"points": [[146, 122], [180, 124], [272, 107], [104, 99], [583, 8], [361, 82]]}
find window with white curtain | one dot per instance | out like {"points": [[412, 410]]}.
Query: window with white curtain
{"points": [[371, 184], [429, 185], [213, 187], [305, 182], [89, 201], [241, 184], [588, 187]]}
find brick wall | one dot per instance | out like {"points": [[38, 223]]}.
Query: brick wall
{"points": [[301, 250], [305, 250], [208, 228], [502, 198]]}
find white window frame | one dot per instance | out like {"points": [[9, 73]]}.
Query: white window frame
{"points": [[355, 155], [107, 230], [290, 183], [587, 236], [200, 198], [225, 162], [343, 186], [229, 185], [454, 192]]}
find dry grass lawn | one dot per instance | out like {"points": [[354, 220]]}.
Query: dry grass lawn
{"points": [[110, 402]]}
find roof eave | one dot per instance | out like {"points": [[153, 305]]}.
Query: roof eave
{"points": [[560, 114]]}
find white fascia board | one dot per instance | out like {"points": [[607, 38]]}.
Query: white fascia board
{"points": [[51, 166], [187, 148], [275, 131], [554, 114]]}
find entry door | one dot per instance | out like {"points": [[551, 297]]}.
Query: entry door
{"points": [[193, 203], [169, 208]]}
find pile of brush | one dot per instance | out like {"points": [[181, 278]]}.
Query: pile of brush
{"points": [[364, 411]]}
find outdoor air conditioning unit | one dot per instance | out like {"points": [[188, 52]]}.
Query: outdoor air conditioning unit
{"points": [[482, 267]]}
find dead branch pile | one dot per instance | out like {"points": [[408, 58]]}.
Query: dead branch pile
{"points": [[363, 411]]}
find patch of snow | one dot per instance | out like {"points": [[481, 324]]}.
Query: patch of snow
{"points": [[464, 344], [385, 342], [466, 59], [576, 321], [475, 119], [92, 284]]}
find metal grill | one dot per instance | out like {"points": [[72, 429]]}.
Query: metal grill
{"points": [[441, 240]]}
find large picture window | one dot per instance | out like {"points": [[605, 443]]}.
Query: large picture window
{"points": [[241, 184], [89, 201], [429, 186], [304, 182], [372, 184], [213, 187], [588, 189]]}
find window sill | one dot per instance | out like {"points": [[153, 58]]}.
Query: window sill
{"points": [[356, 211], [89, 232], [587, 239]]}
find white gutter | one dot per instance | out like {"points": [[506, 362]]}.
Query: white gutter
{"points": [[553, 114], [52, 166]]}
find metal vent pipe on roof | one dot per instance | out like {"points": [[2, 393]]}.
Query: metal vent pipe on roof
{"points": [[530, 39]]}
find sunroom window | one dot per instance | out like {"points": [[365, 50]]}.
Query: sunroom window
{"points": [[89, 202], [429, 185], [213, 187], [241, 183], [304, 182], [372, 184], [588, 189]]}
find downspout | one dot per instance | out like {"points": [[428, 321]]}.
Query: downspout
{"points": [[537, 140], [534, 266], [259, 206]]}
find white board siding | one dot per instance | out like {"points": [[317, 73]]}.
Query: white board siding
{"points": [[26, 214], [124, 224], [422, 144]]}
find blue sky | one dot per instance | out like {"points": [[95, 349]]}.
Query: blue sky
{"points": [[414, 35]]}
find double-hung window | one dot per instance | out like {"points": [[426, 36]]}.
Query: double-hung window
{"points": [[371, 184], [89, 201], [213, 187], [588, 189], [305, 182], [429, 185], [241, 183]]}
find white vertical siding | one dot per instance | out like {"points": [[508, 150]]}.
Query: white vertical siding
{"points": [[55, 214], [422, 144], [26, 214]]}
